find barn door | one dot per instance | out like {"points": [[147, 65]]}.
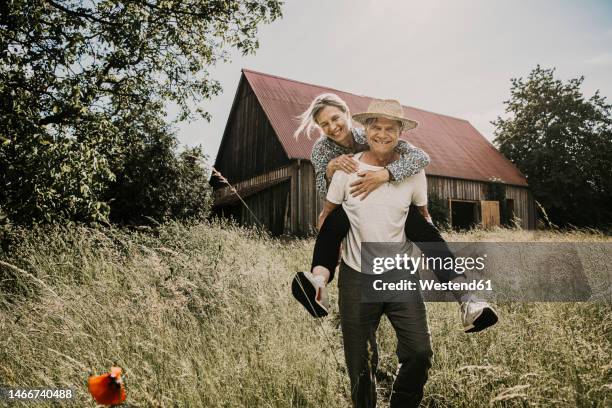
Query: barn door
{"points": [[489, 213]]}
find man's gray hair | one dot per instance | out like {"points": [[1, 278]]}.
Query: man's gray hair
{"points": [[370, 121]]}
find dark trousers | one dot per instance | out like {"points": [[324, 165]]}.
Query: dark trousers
{"points": [[418, 230], [359, 322]]}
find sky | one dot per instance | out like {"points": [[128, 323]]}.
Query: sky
{"points": [[453, 57]]}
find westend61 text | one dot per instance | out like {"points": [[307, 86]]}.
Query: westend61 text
{"points": [[405, 284]]}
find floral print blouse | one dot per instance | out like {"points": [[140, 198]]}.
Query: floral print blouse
{"points": [[411, 161]]}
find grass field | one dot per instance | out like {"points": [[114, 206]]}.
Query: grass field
{"points": [[201, 315]]}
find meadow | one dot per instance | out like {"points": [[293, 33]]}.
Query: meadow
{"points": [[201, 315]]}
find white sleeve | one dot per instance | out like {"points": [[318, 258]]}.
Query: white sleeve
{"points": [[419, 194], [337, 188]]}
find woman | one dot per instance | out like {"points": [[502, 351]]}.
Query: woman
{"points": [[333, 152]]}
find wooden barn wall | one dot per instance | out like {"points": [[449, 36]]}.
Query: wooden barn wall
{"points": [[306, 205], [252, 185], [297, 206], [459, 189], [444, 187], [269, 206], [249, 146], [524, 206], [293, 206]]}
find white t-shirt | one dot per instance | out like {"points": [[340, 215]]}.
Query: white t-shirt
{"points": [[381, 216]]}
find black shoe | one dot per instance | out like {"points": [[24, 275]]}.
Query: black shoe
{"points": [[477, 315], [304, 288]]}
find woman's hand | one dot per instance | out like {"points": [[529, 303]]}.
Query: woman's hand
{"points": [[368, 181], [345, 162]]}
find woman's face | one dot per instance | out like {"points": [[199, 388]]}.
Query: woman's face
{"points": [[334, 123]]}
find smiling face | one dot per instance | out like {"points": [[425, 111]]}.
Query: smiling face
{"points": [[334, 123], [383, 135]]}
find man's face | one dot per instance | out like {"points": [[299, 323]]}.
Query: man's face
{"points": [[383, 135]]}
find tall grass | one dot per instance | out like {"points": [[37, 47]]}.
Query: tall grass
{"points": [[201, 315]]}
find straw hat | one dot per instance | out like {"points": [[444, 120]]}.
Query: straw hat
{"points": [[386, 108]]}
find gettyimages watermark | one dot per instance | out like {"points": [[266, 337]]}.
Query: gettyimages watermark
{"points": [[499, 271], [404, 261]]}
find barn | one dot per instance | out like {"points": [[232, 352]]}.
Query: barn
{"points": [[271, 172]]}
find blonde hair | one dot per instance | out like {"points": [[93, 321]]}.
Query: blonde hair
{"points": [[308, 117]]}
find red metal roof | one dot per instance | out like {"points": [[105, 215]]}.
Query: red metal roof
{"points": [[456, 148]]}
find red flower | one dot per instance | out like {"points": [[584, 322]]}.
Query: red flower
{"points": [[107, 389]]}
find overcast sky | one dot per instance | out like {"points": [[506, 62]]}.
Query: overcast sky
{"points": [[446, 56]]}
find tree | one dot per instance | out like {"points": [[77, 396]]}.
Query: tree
{"points": [[82, 80], [562, 142], [176, 187]]}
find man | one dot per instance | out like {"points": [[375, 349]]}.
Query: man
{"points": [[330, 155], [379, 218]]}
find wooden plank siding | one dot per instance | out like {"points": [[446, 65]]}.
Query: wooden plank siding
{"points": [[252, 185], [445, 187], [249, 146], [524, 206], [310, 204], [489, 211], [269, 207], [458, 189], [302, 207], [298, 205], [304, 202]]}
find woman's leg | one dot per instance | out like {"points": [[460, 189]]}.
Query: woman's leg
{"points": [[309, 288], [419, 231], [476, 314], [327, 246]]}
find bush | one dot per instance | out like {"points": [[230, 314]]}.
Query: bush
{"points": [[155, 183], [438, 209]]}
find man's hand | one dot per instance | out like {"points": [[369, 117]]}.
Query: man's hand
{"points": [[344, 162], [368, 181]]}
